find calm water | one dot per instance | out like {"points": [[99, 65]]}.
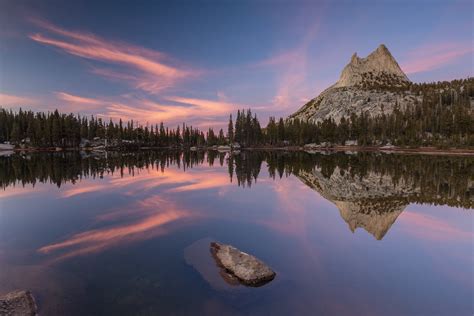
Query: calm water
{"points": [[347, 234]]}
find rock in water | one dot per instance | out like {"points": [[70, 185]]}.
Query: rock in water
{"points": [[18, 303], [248, 269]]}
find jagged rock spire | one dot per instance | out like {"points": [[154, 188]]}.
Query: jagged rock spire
{"points": [[379, 63], [374, 85]]}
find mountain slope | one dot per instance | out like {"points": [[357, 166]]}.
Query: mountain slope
{"points": [[375, 85]]}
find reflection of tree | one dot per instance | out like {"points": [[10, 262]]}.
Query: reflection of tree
{"points": [[247, 167], [372, 190], [426, 179]]}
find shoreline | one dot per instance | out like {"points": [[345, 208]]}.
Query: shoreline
{"points": [[403, 150]]}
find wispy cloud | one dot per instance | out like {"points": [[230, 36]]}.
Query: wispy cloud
{"points": [[152, 70], [292, 67], [187, 109], [13, 101], [75, 103], [174, 110], [432, 56], [153, 222], [77, 99]]}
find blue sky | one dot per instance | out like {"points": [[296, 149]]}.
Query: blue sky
{"points": [[197, 61]]}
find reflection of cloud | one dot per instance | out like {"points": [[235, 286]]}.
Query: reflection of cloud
{"points": [[291, 218], [81, 189], [179, 181], [429, 227], [152, 71], [156, 216], [11, 191], [145, 219], [203, 181], [432, 56]]}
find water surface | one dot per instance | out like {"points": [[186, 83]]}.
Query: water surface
{"points": [[347, 234]]}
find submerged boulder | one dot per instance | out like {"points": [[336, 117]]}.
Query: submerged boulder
{"points": [[246, 268], [18, 303]]}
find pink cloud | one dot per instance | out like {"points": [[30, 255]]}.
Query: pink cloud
{"points": [[210, 106], [153, 70], [77, 99], [432, 56], [144, 110], [11, 101], [292, 67], [80, 104], [130, 107], [279, 59]]}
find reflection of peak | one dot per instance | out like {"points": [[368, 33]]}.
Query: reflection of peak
{"points": [[372, 202], [376, 217]]}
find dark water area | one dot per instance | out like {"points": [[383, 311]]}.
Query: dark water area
{"points": [[346, 233]]}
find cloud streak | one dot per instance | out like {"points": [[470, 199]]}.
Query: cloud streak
{"points": [[433, 56], [292, 66], [129, 107], [77, 99], [154, 112], [9, 100], [430, 227], [153, 71], [96, 240]]}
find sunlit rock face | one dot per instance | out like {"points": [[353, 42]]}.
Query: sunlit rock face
{"points": [[373, 85], [372, 202], [378, 67]]}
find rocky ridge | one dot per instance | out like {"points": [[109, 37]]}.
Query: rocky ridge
{"points": [[374, 85]]}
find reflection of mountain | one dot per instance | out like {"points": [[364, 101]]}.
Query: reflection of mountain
{"points": [[375, 217], [372, 202]]}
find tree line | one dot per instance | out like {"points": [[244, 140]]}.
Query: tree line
{"points": [[443, 118], [433, 179]]}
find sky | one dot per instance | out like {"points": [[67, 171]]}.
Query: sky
{"points": [[199, 61]]}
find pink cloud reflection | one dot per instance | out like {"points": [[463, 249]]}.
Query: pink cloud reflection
{"points": [[429, 227], [155, 216]]}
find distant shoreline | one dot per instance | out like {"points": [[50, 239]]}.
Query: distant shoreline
{"points": [[403, 150]]}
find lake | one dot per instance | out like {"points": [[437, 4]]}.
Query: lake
{"points": [[346, 233]]}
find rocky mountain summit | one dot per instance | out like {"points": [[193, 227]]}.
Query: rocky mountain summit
{"points": [[378, 68], [372, 85]]}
